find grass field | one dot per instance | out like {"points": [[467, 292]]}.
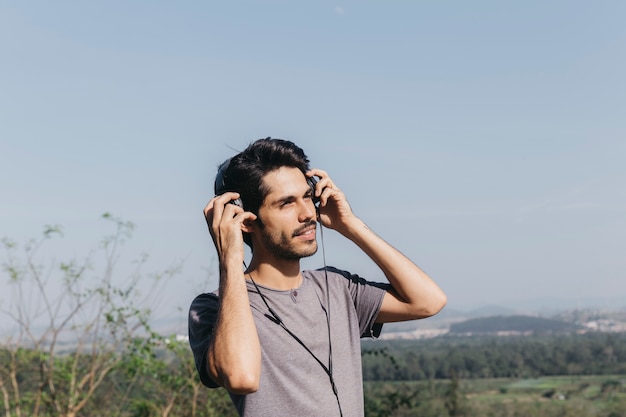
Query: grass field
{"points": [[562, 396]]}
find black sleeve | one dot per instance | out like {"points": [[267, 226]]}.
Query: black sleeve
{"points": [[202, 318]]}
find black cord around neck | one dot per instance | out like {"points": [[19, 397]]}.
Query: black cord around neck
{"points": [[274, 317]]}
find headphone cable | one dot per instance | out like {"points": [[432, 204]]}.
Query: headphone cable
{"points": [[274, 317]]}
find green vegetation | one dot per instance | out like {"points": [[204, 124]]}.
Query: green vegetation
{"points": [[164, 383], [540, 376], [578, 396], [159, 381], [496, 357], [81, 345]]}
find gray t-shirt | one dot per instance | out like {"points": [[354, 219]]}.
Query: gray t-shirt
{"points": [[292, 382]]}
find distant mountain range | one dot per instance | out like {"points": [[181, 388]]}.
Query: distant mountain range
{"points": [[512, 324], [496, 318], [550, 305], [570, 312]]}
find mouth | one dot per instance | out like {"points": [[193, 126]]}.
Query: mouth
{"points": [[307, 231]]}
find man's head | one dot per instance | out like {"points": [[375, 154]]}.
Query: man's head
{"points": [[244, 173]]}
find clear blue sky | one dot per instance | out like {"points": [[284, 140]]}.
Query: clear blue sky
{"points": [[485, 139]]}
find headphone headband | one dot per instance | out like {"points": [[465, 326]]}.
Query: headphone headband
{"points": [[220, 183]]}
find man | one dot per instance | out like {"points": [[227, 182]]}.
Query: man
{"points": [[282, 341]]}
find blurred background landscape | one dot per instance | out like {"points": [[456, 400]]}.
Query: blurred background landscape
{"points": [[485, 140]]}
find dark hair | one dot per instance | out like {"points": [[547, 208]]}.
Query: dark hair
{"points": [[244, 172]]}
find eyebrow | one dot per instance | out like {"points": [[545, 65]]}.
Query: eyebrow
{"points": [[290, 198], [284, 199]]}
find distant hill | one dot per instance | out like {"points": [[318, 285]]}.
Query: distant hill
{"points": [[512, 324], [490, 310]]}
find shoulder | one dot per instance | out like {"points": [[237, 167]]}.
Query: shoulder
{"points": [[329, 271], [349, 278], [203, 309], [206, 299]]}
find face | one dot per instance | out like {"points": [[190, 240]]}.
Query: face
{"points": [[287, 223]]}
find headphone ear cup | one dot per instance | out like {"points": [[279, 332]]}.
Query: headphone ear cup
{"points": [[220, 183], [237, 202], [312, 181]]}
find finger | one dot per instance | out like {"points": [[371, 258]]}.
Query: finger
{"points": [[214, 210], [228, 213], [226, 197], [244, 216], [317, 172], [219, 202], [209, 213], [326, 194], [323, 182], [229, 232]]}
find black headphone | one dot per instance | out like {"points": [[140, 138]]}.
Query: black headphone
{"points": [[220, 184]]}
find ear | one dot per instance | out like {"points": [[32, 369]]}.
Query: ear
{"points": [[249, 226]]}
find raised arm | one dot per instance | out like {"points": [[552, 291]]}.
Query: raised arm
{"points": [[234, 355], [415, 295]]}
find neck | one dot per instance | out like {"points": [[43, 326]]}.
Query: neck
{"points": [[283, 275]]}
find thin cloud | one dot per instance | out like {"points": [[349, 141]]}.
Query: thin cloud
{"points": [[339, 10], [442, 211], [576, 199]]}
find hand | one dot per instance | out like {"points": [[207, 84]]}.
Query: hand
{"points": [[334, 209], [226, 222]]}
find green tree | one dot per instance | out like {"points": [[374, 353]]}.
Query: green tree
{"points": [[75, 322]]}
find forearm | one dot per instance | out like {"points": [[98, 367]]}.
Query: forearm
{"points": [[418, 295], [234, 357]]}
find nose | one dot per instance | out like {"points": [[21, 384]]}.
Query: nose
{"points": [[307, 210]]}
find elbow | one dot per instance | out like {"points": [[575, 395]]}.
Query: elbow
{"points": [[427, 309], [241, 377], [436, 305], [241, 384]]}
